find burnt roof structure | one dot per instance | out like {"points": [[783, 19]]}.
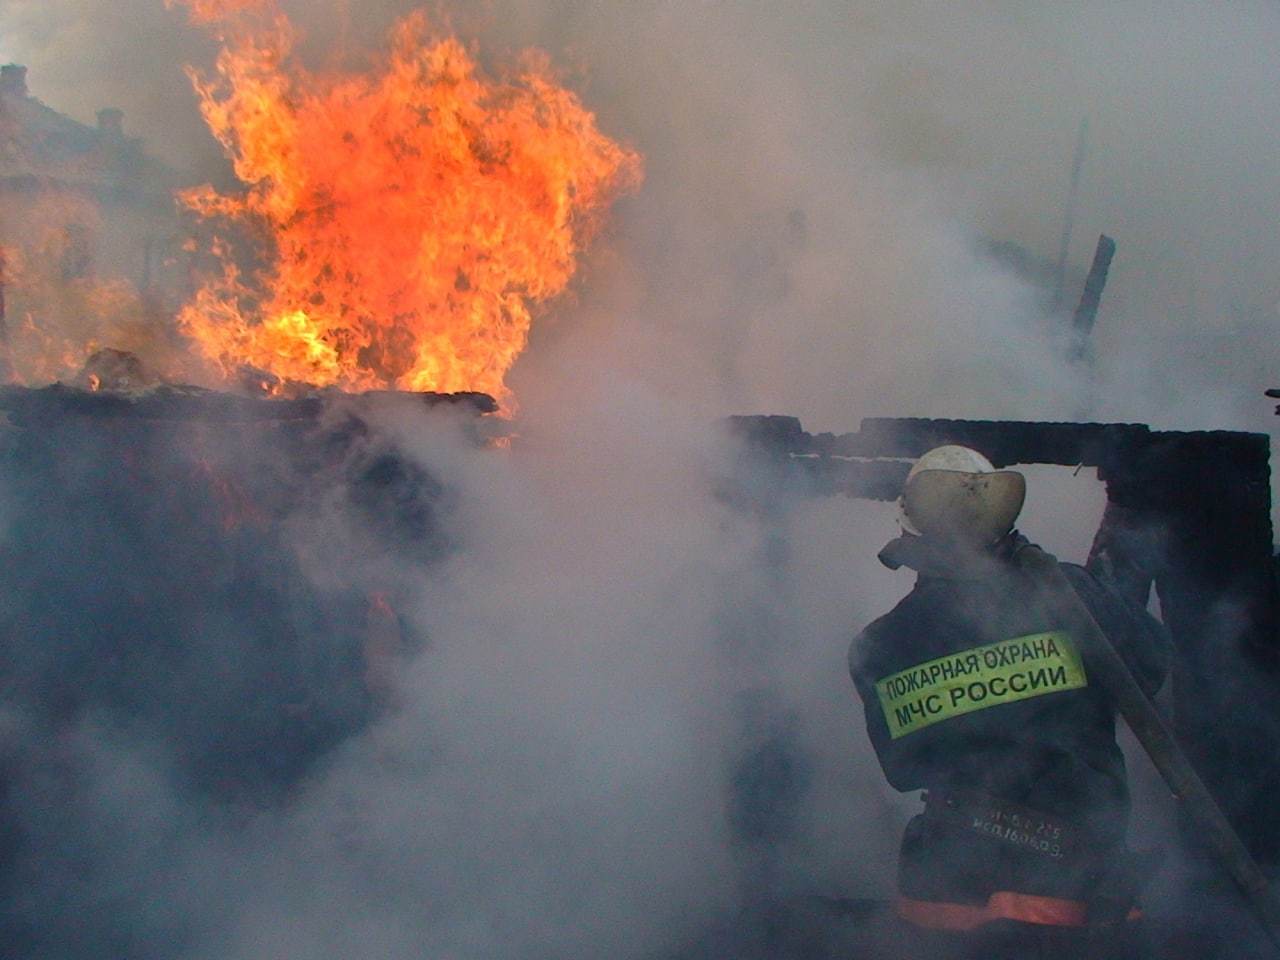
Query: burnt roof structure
{"points": [[40, 148]]}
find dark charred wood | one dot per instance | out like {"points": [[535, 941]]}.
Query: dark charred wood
{"points": [[1004, 442], [771, 432], [185, 403], [1091, 299], [810, 457]]}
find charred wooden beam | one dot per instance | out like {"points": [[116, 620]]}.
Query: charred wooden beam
{"points": [[819, 459], [1087, 311], [184, 403], [1004, 442]]}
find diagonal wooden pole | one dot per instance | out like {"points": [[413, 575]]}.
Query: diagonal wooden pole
{"points": [[1112, 673]]}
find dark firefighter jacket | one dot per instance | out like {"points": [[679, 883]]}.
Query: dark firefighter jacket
{"points": [[971, 688]]}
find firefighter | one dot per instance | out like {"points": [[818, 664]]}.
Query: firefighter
{"points": [[976, 696]]}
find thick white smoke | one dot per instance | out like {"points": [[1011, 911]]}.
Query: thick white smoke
{"points": [[819, 173], [610, 638]]}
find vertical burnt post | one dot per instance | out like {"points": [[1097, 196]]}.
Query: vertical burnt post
{"points": [[1191, 513], [769, 771], [1087, 310]]}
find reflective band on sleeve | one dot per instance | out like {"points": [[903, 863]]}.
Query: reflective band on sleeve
{"points": [[1002, 905], [981, 677]]}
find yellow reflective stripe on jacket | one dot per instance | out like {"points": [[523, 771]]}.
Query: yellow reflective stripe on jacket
{"points": [[981, 677]]}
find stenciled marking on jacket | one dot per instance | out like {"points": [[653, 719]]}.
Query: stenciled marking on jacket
{"points": [[1038, 836], [981, 677]]}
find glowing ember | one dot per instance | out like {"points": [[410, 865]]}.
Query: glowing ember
{"points": [[415, 216]]}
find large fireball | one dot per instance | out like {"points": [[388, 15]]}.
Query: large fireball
{"points": [[414, 216]]}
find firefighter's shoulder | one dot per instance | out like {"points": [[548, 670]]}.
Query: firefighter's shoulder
{"points": [[881, 639]]}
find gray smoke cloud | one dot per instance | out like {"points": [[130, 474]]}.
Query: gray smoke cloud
{"points": [[609, 640], [818, 175]]}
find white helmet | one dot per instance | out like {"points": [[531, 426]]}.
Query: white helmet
{"points": [[954, 494]]}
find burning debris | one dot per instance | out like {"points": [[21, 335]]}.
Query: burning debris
{"points": [[114, 370], [394, 235], [395, 229], [414, 217]]}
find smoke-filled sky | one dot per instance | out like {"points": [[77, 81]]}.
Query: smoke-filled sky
{"points": [[818, 174], [820, 180]]}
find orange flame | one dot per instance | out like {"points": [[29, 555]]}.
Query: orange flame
{"points": [[415, 216]]}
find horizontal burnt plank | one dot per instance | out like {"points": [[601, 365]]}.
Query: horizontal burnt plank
{"points": [[184, 403]]}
